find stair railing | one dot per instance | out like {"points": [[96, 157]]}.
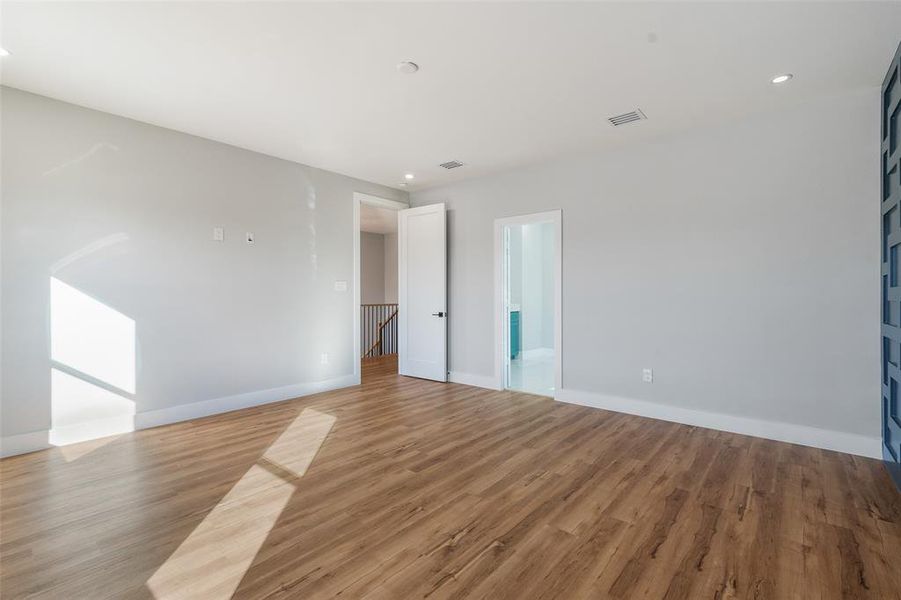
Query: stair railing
{"points": [[378, 329]]}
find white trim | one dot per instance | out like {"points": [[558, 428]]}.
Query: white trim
{"points": [[839, 441], [356, 296], [94, 429], [482, 381], [38, 440], [196, 410], [500, 318], [361, 198], [380, 202], [24, 443], [784, 432], [536, 353]]}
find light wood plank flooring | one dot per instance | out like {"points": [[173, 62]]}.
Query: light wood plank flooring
{"points": [[404, 489]]}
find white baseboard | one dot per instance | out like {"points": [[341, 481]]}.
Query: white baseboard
{"points": [[205, 408], [24, 443], [482, 381], [784, 432], [39, 440], [92, 430], [839, 441], [537, 353]]}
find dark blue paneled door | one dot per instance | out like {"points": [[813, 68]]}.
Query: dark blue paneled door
{"points": [[891, 292]]}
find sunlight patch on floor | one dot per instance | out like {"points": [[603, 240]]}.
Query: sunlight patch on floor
{"points": [[296, 447], [75, 451], [212, 561]]}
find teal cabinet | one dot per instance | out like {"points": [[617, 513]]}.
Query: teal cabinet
{"points": [[515, 334]]}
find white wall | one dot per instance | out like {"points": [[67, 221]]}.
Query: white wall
{"points": [[391, 268], [378, 268], [123, 213], [547, 284], [532, 282], [372, 268], [514, 238], [740, 262], [537, 279]]}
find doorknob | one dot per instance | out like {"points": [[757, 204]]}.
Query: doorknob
{"points": [[438, 314]]}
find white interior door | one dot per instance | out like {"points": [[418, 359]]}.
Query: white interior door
{"points": [[422, 292]]}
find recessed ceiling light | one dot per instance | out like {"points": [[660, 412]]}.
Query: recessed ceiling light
{"points": [[408, 67], [4, 52], [781, 78], [408, 176]]}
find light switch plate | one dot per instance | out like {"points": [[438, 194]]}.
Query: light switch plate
{"points": [[340, 286], [249, 237], [218, 234], [323, 358]]}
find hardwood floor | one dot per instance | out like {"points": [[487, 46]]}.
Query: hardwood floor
{"points": [[403, 488]]}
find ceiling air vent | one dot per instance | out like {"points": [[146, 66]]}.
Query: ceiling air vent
{"points": [[635, 115], [451, 164]]}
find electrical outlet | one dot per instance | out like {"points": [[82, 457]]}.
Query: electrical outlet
{"points": [[647, 375], [323, 358], [218, 234]]}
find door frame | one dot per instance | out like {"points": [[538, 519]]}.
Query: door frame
{"points": [[501, 321], [359, 199]]}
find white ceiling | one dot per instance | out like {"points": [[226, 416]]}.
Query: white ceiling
{"points": [[501, 84], [377, 220]]}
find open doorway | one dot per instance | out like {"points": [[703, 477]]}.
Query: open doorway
{"points": [[377, 306], [527, 255]]}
